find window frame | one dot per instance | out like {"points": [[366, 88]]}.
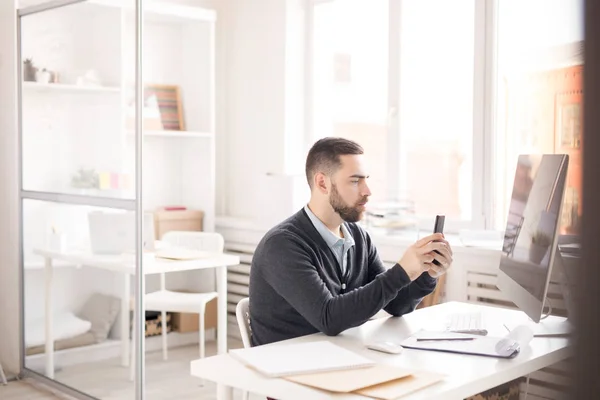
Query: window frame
{"points": [[483, 203]]}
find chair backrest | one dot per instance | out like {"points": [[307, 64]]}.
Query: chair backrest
{"points": [[195, 240], [242, 314]]}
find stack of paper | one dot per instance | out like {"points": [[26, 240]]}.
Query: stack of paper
{"points": [[300, 358], [326, 366], [379, 381], [181, 253]]}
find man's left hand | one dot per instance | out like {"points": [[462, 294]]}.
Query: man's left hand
{"points": [[444, 258]]}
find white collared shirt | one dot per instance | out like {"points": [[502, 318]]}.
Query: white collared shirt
{"points": [[338, 245]]}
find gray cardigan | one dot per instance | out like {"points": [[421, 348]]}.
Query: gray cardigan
{"points": [[296, 286]]}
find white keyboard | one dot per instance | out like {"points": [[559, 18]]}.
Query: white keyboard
{"points": [[466, 323]]}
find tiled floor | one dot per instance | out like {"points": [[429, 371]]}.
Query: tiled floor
{"points": [[25, 390], [165, 380]]}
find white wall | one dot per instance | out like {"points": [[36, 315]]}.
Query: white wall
{"points": [[295, 131], [9, 226], [255, 104], [261, 127]]}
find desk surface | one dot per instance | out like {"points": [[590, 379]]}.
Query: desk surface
{"points": [[151, 265], [465, 375]]}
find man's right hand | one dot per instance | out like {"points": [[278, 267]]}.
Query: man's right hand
{"points": [[418, 258]]}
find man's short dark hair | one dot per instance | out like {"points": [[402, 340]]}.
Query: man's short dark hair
{"points": [[324, 156]]}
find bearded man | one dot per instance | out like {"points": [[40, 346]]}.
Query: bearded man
{"points": [[318, 271]]}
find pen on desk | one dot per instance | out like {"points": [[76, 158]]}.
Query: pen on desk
{"points": [[439, 339]]}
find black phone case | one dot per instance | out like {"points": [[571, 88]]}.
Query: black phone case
{"points": [[438, 227]]}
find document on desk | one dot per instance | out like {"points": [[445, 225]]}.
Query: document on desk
{"points": [[178, 253], [401, 387], [301, 358], [380, 381], [350, 380]]}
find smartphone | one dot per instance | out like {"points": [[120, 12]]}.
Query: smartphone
{"points": [[438, 227], [439, 224]]}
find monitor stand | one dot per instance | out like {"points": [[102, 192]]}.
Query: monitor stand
{"points": [[548, 327], [564, 271]]}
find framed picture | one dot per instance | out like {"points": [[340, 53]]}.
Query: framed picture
{"points": [[165, 100], [568, 140], [569, 120]]}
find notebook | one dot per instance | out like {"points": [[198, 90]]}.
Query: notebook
{"points": [[301, 358]]}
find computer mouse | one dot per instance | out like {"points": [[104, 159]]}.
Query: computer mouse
{"points": [[507, 347], [386, 347], [522, 334]]}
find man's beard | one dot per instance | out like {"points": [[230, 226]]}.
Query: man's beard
{"points": [[347, 213]]}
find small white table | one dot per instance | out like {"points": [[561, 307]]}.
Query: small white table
{"points": [[121, 265], [466, 375]]}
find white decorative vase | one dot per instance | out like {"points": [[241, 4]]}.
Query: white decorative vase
{"points": [[42, 76], [537, 253]]}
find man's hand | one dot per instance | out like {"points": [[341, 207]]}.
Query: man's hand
{"points": [[444, 258], [419, 257]]}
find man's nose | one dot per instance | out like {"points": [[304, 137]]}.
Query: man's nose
{"points": [[366, 191]]}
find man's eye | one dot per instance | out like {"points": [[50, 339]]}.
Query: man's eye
{"points": [[353, 181]]}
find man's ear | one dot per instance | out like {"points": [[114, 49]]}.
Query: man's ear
{"points": [[321, 183]]}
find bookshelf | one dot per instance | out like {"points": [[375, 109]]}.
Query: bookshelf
{"points": [[61, 87], [65, 134]]}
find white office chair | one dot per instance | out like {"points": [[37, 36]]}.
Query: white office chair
{"points": [[243, 319], [168, 301]]}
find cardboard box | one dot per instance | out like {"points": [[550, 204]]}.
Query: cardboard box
{"points": [[506, 391], [154, 324], [184, 322], [177, 220]]}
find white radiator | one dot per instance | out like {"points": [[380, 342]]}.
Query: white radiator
{"points": [[238, 280]]}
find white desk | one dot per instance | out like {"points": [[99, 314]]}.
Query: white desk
{"points": [[465, 375], [121, 265]]}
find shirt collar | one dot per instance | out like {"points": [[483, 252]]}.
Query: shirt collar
{"points": [[330, 238]]}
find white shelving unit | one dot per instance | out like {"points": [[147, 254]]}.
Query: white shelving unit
{"points": [[176, 134], [61, 87], [178, 50]]}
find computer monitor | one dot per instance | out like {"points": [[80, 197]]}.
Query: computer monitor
{"points": [[529, 251]]}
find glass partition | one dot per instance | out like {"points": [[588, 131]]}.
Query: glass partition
{"points": [[117, 123], [73, 138], [77, 312], [80, 207]]}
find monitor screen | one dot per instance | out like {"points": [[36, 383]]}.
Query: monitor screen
{"points": [[533, 219]]}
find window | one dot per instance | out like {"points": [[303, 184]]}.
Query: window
{"points": [[436, 106], [400, 79], [538, 103], [350, 79]]}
